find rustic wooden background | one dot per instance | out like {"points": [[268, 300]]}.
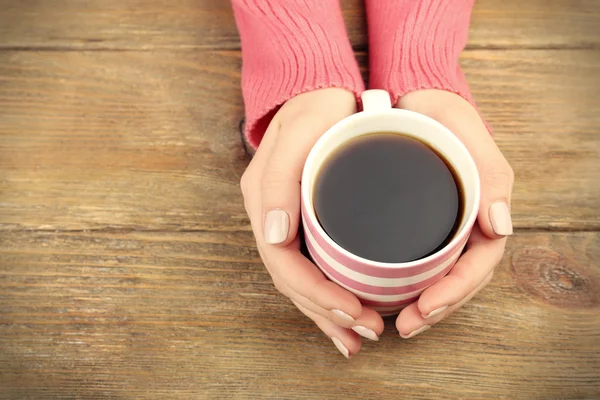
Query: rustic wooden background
{"points": [[127, 264]]}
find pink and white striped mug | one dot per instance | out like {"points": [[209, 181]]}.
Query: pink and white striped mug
{"points": [[387, 287]]}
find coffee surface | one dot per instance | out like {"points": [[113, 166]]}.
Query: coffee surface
{"points": [[388, 198]]}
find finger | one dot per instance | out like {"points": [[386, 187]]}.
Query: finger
{"points": [[497, 179], [335, 316], [280, 183], [250, 181], [307, 285], [331, 315], [448, 311], [470, 271], [410, 322], [496, 175], [346, 341], [369, 325], [300, 280]]}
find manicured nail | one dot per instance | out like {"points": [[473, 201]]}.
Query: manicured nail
{"points": [[416, 332], [365, 332], [340, 346], [435, 312], [343, 315], [277, 226], [500, 218]]}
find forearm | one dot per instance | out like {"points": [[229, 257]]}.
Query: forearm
{"points": [[290, 47], [415, 44]]}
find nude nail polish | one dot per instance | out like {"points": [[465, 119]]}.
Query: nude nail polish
{"points": [[435, 312], [343, 315], [340, 346], [365, 332], [500, 219], [277, 226], [416, 332]]}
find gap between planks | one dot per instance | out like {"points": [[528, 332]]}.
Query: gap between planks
{"points": [[357, 49], [549, 229]]}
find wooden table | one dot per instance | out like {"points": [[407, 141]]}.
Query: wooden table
{"points": [[127, 264]]}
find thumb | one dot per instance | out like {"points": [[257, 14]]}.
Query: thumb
{"points": [[495, 173], [280, 183], [497, 179]]}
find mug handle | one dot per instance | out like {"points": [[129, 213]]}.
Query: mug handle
{"points": [[376, 100]]}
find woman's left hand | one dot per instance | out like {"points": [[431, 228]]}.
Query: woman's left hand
{"points": [[485, 247]]}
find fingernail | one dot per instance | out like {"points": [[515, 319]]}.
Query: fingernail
{"points": [[277, 226], [435, 312], [340, 346], [416, 332], [343, 315], [365, 332], [500, 218]]}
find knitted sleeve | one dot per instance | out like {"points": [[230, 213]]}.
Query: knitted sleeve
{"points": [[290, 47], [415, 44]]}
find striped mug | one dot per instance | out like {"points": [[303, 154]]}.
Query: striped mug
{"points": [[387, 287]]}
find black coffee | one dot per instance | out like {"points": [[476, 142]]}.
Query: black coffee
{"points": [[388, 198]]}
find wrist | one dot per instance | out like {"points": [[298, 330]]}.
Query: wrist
{"points": [[328, 99]]}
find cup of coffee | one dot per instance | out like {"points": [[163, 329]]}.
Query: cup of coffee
{"points": [[389, 198]]}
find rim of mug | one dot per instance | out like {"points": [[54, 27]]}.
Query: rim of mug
{"points": [[309, 207]]}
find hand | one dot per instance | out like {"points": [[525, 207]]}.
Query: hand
{"points": [[485, 247], [271, 189]]}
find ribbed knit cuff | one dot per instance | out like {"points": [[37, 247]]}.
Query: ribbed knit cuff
{"points": [[416, 45], [291, 47]]}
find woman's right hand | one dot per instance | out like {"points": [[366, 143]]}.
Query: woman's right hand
{"points": [[271, 189]]}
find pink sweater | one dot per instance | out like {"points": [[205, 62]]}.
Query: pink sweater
{"points": [[295, 46]]}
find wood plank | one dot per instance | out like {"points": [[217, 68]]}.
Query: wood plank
{"points": [[546, 120], [121, 139], [151, 24], [194, 315], [145, 140]]}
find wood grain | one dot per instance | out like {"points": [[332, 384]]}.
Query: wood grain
{"points": [[145, 140], [121, 140], [209, 24], [194, 315], [127, 265]]}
